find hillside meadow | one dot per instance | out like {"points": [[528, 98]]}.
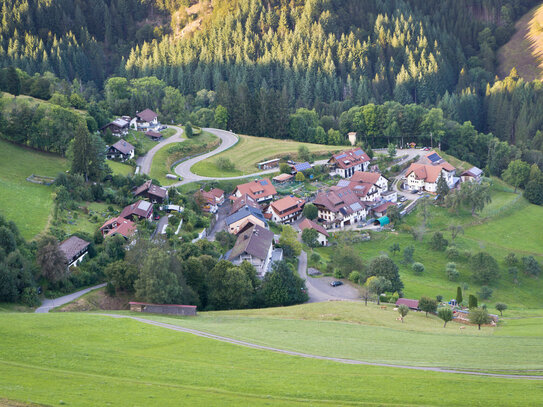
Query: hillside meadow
{"points": [[249, 151], [89, 360]]}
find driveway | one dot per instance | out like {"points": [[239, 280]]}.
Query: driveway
{"points": [[222, 214], [319, 289], [47, 305], [146, 161]]}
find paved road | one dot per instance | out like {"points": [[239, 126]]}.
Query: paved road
{"points": [[220, 224], [310, 356], [47, 305], [146, 161], [319, 289], [228, 140]]}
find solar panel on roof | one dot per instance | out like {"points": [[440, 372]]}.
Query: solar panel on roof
{"points": [[434, 157], [356, 206], [343, 183], [263, 182], [359, 153], [302, 166], [341, 156]]}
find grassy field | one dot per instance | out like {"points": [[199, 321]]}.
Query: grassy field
{"points": [[119, 168], [88, 220], [27, 204], [135, 137], [524, 50], [251, 150], [164, 159], [352, 330], [88, 360]]}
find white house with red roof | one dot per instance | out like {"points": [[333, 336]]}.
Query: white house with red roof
{"points": [[375, 178], [285, 210], [260, 190], [118, 226], [346, 163], [322, 234], [340, 207], [424, 175], [144, 120]]}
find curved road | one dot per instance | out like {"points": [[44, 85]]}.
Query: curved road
{"points": [[147, 159], [48, 305], [310, 356]]}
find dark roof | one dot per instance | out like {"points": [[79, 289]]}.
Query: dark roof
{"points": [[147, 115], [410, 303], [302, 166], [243, 213], [140, 208], [153, 134], [348, 159], [151, 189], [255, 241], [123, 146], [72, 246], [120, 123], [473, 172]]}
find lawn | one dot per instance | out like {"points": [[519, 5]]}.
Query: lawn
{"points": [[89, 217], [352, 330], [119, 168], [251, 150], [165, 157], [27, 204], [89, 360], [168, 132], [134, 137]]}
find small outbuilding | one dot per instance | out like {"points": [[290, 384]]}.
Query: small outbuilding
{"points": [[382, 221], [170, 309], [268, 165], [412, 304]]}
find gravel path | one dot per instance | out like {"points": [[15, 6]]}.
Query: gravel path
{"points": [[47, 305], [310, 356]]}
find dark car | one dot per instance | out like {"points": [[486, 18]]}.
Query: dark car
{"points": [[335, 283], [157, 216]]}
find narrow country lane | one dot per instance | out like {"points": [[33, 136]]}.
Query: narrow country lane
{"points": [[48, 305], [147, 159]]}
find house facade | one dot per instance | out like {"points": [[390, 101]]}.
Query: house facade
{"points": [[153, 193], [138, 210], [424, 174], [122, 150], [74, 249], [285, 210], [247, 215], [118, 127], [322, 234], [144, 120], [210, 200], [118, 226], [340, 207], [375, 178], [474, 174], [346, 163], [254, 245]]}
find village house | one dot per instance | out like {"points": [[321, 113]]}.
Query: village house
{"points": [[424, 175], [346, 163], [282, 178], [285, 210], [122, 150], [244, 200], [153, 193], [138, 210], [260, 190], [375, 178], [322, 234], [365, 191], [74, 249], [153, 135], [144, 120], [381, 210], [210, 200], [254, 245], [340, 207], [118, 127], [118, 226], [247, 215], [474, 174]]}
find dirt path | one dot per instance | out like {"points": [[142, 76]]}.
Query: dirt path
{"points": [[309, 356]]}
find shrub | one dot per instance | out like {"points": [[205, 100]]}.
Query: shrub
{"points": [[439, 298], [472, 301], [452, 272], [403, 311], [418, 268], [445, 314], [485, 293], [452, 253], [354, 276], [531, 266], [408, 253], [337, 273], [29, 297], [459, 296], [284, 168], [511, 259], [225, 164], [438, 242], [394, 297], [315, 257]]}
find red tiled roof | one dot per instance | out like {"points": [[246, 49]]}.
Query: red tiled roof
{"points": [[410, 303], [287, 206], [308, 224], [339, 199], [383, 207], [244, 200], [283, 177], [428, 173], [365, 176], [348, 159], [142, 209], [124, 227], [256, 189], [147, 115], [216, 192]]}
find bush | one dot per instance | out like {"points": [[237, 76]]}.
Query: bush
{"points": [[485, 293], [354, 276], [337, 273], [439, 298], [438, 242], [315, 257], [511, 259], [418, 268], [472, 302], [452, 272], [452, 253], [29, 297], [408, 254], [225, 164], [531, 266]]}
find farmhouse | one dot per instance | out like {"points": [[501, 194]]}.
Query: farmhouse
{"points": [[340, 207], [254, 245], [243, 217], [118, 226], [285, 210], [170, 309], [118, 127], [138, 210], [424, 175], [260, 190], [322, 234], [153, 135], [144, 120], [153, 193], [346, 163], [474, 174], [74, 249], [121, 150], [365, 191]]}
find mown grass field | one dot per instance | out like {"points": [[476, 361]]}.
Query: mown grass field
{"points": [[353, 330], [119, 168], [516, 230], [251, 150], [163, 159], [27, 204], [89, 360]]}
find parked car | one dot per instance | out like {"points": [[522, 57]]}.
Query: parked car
{"points": [[157, 216], [335, 283], [403, 199]]}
